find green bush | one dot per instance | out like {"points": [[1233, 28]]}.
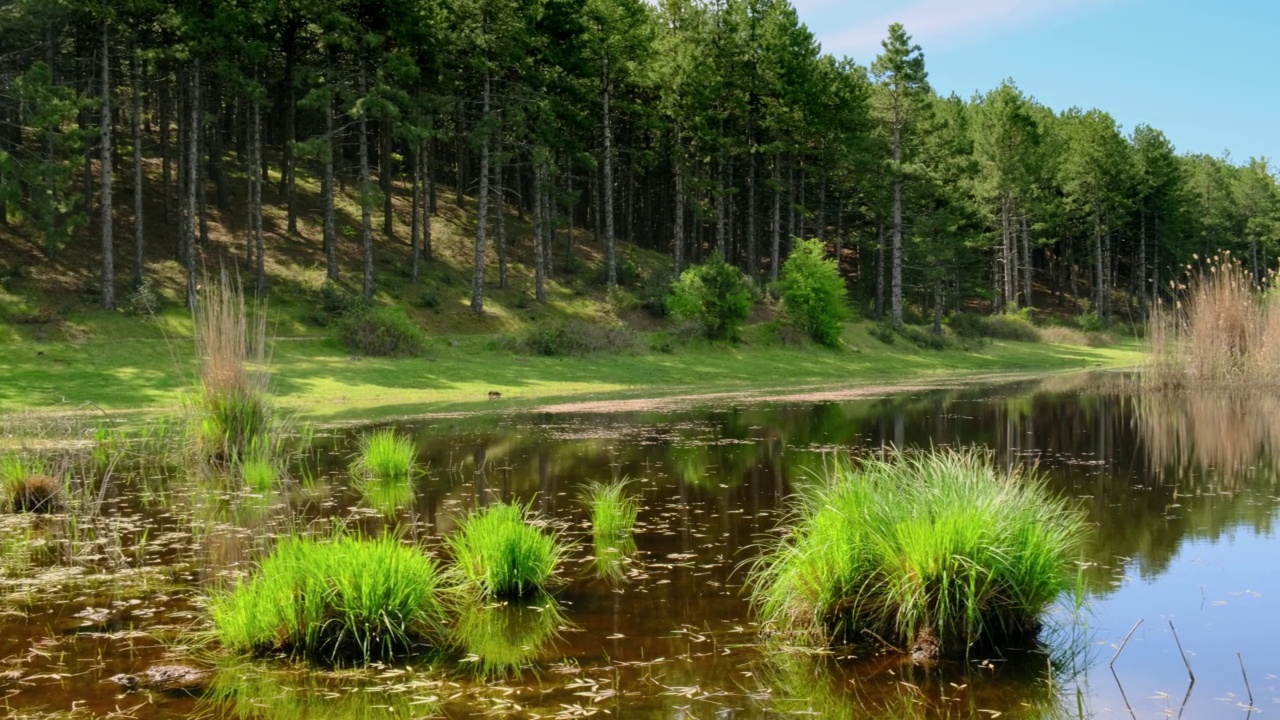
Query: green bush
{"points": [[500, 553], [883, 332], [653, 292], [385, 455], [613, 509], [1010, 326], [1090, 322], [143, 300], [813, 294], [381, 331], [577, 338], [924, 339], [343, 601], [715, 295], [936, 546]]}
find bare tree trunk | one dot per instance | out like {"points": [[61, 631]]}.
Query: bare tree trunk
{"points": [[192, 178], [539, 228], [1009, 294], [415, 213], [500, 219], [482, 214], [611, 253], [255, 198], [753, 263], [937, 307], [1099, 290], [428, 202], [202, 171], [896, 299], [880, 272], [384, 176], [677, 238], [775, 250], [366, 187], [108, 245], [139, 260], [327, 190], [288, 161], [719, 209], [166, 182], [1027, 275]]}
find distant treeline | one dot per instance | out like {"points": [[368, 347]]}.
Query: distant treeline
{"points": [[687, 127]]}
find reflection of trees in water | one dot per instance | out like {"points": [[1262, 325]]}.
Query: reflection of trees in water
{"points": [[1224, 439]]}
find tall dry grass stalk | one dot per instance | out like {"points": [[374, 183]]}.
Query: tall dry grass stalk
{"points": [[1224, 330], [233, 408]]}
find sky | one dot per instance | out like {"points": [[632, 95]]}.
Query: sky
{"points": [[1202, 71]]}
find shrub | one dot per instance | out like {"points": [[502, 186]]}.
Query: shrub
{"points": [[716, 295], [613, 510], [381, 331], [924, 339], [1090, 321], [813, 294], [932, 548], [385, 455], [502, 554], [577, 338], [143, 300], [348, 600], [883, 332], [1010, 326], [654, 291], [1071, 336]]}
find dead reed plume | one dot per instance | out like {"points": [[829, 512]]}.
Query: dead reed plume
{"points": [[1222, 331], [232, 406]]}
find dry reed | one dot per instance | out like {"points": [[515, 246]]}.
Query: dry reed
{"points": [[1224, 330]]}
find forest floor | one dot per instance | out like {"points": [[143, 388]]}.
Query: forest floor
{"points": [[60, 352]]}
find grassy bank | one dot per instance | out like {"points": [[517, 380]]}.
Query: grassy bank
{"points": [[322, 381]]}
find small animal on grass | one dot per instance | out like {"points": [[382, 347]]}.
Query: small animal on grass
{"points": [[494, 395]]}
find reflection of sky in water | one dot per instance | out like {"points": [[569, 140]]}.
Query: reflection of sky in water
{"points": [[1221, 597]]}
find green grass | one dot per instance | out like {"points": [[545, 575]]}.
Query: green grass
{"points": [[385, 455], [936, 545], [27, 484], [613, 509], [347, 600], [258, 472], [499, 552]]}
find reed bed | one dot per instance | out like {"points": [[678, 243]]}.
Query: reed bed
{"points": [[613, 509], [934, 551], [501, 553], [1223, 331], [347, 600]]}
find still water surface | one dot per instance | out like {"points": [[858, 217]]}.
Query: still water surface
{"points": [[1182, 494]]}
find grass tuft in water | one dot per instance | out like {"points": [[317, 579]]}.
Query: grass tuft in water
{"points": [[385, 455], [920, 549], [259, 472], [613, 510], [502, 554], [28, 484], [343, 601]]}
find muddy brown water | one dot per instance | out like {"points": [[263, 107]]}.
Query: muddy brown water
{"points": [[1182, 492]]}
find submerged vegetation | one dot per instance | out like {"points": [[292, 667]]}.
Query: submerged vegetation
{"points": [[1223, 331], [934, 551], [501, 553], [345, 600]]}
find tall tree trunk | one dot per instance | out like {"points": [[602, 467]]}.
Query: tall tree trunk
{"points": [[327, 191], [415, 214], [719, 209], [500, 219], [1009, 294], [896, 299], [482, 212], [775, 249], [880, 272], [1027, 277], [1099, 289], [384, 175], [288, 162], [937, 306], [255, 197], [428, 202], [606, 192], [366, 187], [201, 170], [166, 181], [460, 151], [753, 263], [539, 227], [677, 237], [139, 259], [108, 246], [192, 177]]}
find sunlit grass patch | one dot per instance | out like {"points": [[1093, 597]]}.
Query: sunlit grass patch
{"points": [[502, 554], [346, 600], [613, 509], [925, 550], [385, 455]]}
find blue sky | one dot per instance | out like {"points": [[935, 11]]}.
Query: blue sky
{"points": [[1203, 71]]}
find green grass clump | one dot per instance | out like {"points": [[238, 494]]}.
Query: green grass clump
{"points": [[385, 455], [258, 472], [347, 600], [27, 484], [613, 510], [502, 554], [931, 546]]}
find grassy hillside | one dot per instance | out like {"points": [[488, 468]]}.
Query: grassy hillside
{"points": [[59, 350]]}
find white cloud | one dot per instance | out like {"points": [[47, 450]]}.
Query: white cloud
{"points": [[933, 24]]}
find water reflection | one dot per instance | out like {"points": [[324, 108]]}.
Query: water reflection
{"points": [[503, 638]]}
